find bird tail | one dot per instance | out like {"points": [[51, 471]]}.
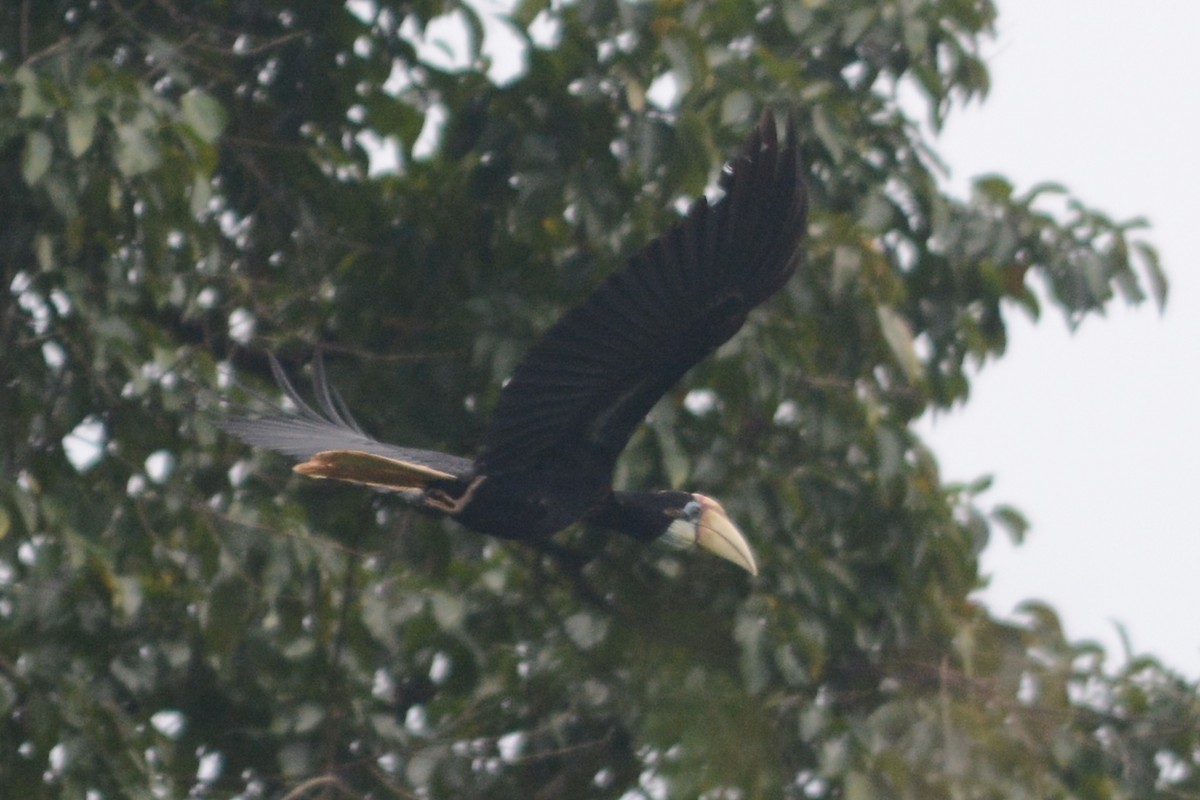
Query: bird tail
{"points": [[330, 444], [356, 466]]}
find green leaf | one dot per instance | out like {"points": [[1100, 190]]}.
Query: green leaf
{"points": [[81, 130], [1039, 189], [675, 460], [859, 786], [685, 65], [898, 335], [203, 114], [830, 133], [586, 630], [1159, 285], [998, 189], [36, 158], [737, 106], [226, 614], [137, 153], [527, 10], [1012, 521], [856, 24], [200, 195], [33, 102]]}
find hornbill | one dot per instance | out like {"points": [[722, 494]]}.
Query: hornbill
{"points": [[548, 455]]}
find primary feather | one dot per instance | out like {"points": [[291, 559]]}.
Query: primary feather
{"points": [[592, 378]]}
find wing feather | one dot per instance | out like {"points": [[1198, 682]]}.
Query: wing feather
{"points": [[584, 387]]}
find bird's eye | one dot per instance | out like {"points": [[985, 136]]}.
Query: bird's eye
{"points": [[692, 511]]}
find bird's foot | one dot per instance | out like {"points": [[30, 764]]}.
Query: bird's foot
{"points": [[442, 501]]}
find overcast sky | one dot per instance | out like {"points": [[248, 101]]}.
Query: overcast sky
{"points": [[1095, 435]]}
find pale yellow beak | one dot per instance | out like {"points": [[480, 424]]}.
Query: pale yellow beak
{"points": [[717, 534]]}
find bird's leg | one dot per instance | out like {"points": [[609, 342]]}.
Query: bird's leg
{"points": [[442, 501]]}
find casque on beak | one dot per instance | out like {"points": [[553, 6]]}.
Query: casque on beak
{"points": [[717, 534]]}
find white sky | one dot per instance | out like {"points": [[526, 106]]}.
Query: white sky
{"points": [[1095, 435]]}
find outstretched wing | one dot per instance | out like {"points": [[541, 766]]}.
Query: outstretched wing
{"points": [[332, 445], [584, 387]]}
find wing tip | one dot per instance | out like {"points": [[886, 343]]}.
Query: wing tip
{"points": [[742, 246]]}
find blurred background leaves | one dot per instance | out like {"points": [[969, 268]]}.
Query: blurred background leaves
{"points": [[418, 190]]}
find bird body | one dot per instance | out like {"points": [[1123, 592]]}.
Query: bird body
{"points": [[572, 404]]}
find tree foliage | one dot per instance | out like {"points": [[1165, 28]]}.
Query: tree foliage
{"points": [[189, 185]]}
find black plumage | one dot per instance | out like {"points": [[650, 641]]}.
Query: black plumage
{"points": [[572, 404]]}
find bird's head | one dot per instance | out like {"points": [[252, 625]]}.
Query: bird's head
{"points": [[701, 522]]}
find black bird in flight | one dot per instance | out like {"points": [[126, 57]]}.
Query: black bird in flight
{"points": [[560, 423]]}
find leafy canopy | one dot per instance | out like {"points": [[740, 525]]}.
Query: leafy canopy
{"points": [[189, 185]]}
